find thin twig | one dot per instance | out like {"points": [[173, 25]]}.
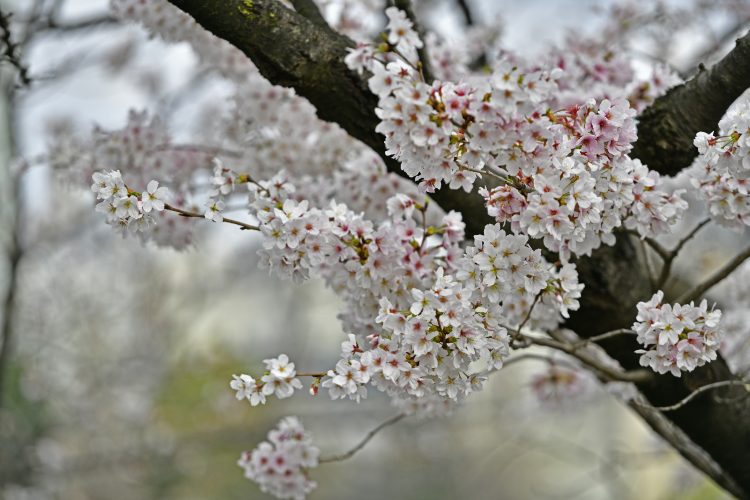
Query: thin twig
{"points": [[463, 6], [635, 376], [655, 246], [667, 265], [12, 49], [36, 12], [722, 273], [501, 178], [649, 269], [724, 39], [602, 336], [692, 395], [689, 236], [171, 102], [361, 444], [528, 314], [539, 357], [186, 213], [197, 148], [98, 21], [15, 254]]}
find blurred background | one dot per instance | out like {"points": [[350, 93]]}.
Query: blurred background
{"points": [[117, 357]]}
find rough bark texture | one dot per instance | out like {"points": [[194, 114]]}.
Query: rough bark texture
{"points": [[667, 128], [293, 51]]}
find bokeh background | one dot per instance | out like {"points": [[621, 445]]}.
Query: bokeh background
{"points": [[118, 382]]}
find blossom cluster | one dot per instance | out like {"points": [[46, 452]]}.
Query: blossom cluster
{"points": [[123, 207], [141, 151], [280, 465], [564, 175], [424, 309], [359, 260], [676, 337], [280, 380], [722, 171]]}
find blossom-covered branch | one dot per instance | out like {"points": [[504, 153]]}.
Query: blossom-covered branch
{"points": [[701, 390]]}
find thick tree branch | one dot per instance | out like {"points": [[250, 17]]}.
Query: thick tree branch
{"points": [[310, 10], [667, 128], [685, 446]]}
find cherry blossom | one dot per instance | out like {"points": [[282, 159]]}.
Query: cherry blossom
{"points": [[154, 197], [279, 380], [122, 207], [721, 171], [677, 337], [280, 465], [565, 176]]}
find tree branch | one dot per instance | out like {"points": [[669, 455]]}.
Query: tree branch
{"points": [[463, 6], [685, 446], [695, 393], [666, 267], [715, 278], [11, 49], [603, 336], [15, 254], [667, 128], [608, 372], [361, 444], [711, 49], [185, 213], [98, 21], [310, 10]]}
